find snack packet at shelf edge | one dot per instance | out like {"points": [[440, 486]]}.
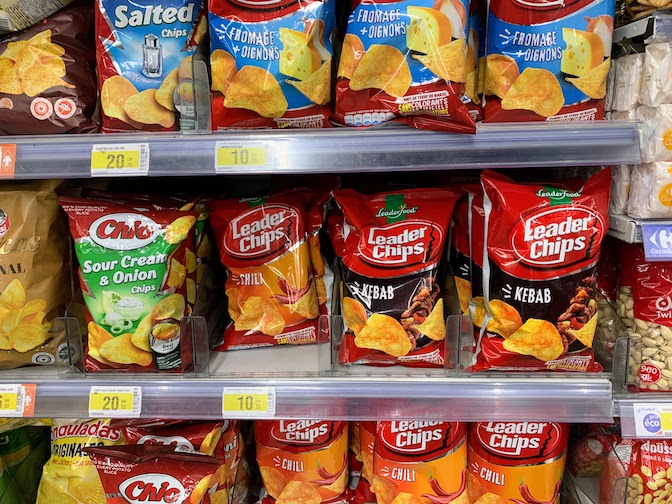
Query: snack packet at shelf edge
{"points": [[133, 273], [150, 65], [16, 15]]}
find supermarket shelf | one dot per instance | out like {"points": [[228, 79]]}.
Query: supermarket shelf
{"points": [[341, 150], [625, 228], [652, 25]]}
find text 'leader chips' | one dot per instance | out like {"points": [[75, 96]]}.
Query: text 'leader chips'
{"points": [[547, 62], [434, 452], [154, 473], [271, 67], [406, 61], [527, 470], [140, 47], [47, 82], [128, 260], [36, 284], [543, 243], [392, 276], [263, 243], [315, 454]]}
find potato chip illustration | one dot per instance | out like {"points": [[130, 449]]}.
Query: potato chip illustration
{"points": [[14, 295], [490, 498], [43, 37], [219, 497], [235, 305], [26, 337], [260, 314], [256, 89], [42, 55], [178, 230], [474, 487], [176, 274], [122, 351], [39, 78], [185, 92], [351, 53], [480, 76], [209, 444], [223, 68], [274, 481], [144, 108], [500, 73], [190, 260], [587, 333], [506, 319], [448, 62], [384, 333], [9, 81], [51, 493], [384, 489], [113, 95], [191, 291], [354, 314], [463, 293], [536, 89], [94, 353], [185, 70], [13, 50], [140, 338], [538, 338], [307, 305], [406, 498], [199, 490], [98, 335], [169, 307], [434, 326], [470, 88], [338, 486], [321, 287], [164, 95], [4, 342], [317, 87], [382, 67], [594, 82], [298, 492]]}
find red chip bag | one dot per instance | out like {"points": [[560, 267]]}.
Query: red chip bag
{"points": [[151, 473]]}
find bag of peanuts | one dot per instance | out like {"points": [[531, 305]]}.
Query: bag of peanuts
{"points": [[650, 472]]}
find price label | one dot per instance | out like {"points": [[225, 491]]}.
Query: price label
{"points": [[653, 420], [109, 160], [7, 160], [657, 240], [109, 402], [257, 402], [17, 400], [233, 155]]}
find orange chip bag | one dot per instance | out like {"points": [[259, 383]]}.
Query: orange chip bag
{"points": [[302, 461], [263, 242]]}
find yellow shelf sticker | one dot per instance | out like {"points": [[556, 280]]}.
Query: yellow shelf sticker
{"points": [[242, 402], [119, 159], [109, 402], [17, 400], [233, 155]]}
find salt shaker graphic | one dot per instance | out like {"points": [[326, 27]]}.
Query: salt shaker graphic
{"points": [[152, 57]]}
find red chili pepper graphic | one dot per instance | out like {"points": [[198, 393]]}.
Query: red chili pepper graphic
{"points": [[292, 294], [443, 497], [327, 477], [530, 499]]}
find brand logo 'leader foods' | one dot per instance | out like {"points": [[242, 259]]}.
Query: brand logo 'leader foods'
{"points": [[153, 488], [558, 235], [263, 231], [123, 231], [414, 436], [519, 439], [407, 242], [302, 431]]}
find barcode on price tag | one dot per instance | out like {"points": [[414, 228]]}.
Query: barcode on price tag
{"points": [[235, 155], [252, 402], [113, 402], [109, 160], [653, 420], [16, 400]]}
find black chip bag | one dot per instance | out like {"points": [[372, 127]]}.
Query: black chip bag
{"points": [[47, 76]]}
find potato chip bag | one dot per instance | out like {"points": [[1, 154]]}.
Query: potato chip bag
{"points": [[264, 244], [47, 82], [128, 256], [405, 61], [271, 70], [434, 452], [543, 243], [36, 283], [516, 461], [141, 45], [393, 277], [302, 460], [475, 51], [547, 61], [154, 474], [69, 475]]}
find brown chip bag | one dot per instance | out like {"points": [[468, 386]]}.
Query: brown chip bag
{"points": [[536, 89], [256, 89], [448, 62], [35, 285], [382, 67]]}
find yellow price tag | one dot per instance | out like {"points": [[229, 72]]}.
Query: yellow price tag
{"points": [[119, 159], [107, 402], [115, 159], [9, 401], [666, 420], [242, 155], [248, 402]]}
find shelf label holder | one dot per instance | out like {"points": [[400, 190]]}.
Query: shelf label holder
{"points": [[657, 240], [115, 402], [248, 402], [653, 420], [17, 400], [235, 155], [121, 160]]}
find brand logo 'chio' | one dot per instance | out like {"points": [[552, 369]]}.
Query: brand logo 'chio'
{"points": [[123, 231], [166, 441], [302, 431], [407, 242], [558, 235], [153, 487], [412, 436], [519, 439], [263, 231]]}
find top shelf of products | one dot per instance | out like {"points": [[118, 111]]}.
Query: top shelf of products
{"points": [[342, 151]]}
